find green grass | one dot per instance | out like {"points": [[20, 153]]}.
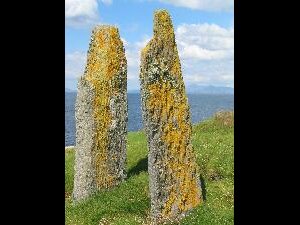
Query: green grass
{"points": [[129, 203]]}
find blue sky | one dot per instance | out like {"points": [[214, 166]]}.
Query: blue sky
{"points": [[204, 34]]}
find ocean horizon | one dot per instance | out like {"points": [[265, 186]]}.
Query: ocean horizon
{"points": [[202, 106]]}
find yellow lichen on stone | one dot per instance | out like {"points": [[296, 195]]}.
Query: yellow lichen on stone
{"points": [[103, 64], [163, 27], [176, 67], [163, 103], [160, 102], [166, 111], [101, 116]]}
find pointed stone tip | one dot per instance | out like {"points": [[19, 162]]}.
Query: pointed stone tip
{"points": [[163, 26], [163, 11], [105, 27], [108, 30]]}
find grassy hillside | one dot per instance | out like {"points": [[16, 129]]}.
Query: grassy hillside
{"points": [[129, 203]]}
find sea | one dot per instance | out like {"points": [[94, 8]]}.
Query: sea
{"points": [[202, 106]]}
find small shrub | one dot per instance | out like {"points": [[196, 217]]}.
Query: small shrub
{"points": [[225, 118]]}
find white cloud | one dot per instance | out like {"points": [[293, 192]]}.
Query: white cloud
{"points": [[206, 53], [211, 36], [217, 73], [142, 44], [81, 13], [205, 41], [133, 53], [207, 79], [208, 5], [130, 51], [194, 51], [74, 65]]}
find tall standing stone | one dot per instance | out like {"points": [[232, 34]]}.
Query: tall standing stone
{"points": [[174, 179], [101, 115]]}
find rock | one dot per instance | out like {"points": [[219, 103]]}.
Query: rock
{"points": [[101, 115], [173, 173]]}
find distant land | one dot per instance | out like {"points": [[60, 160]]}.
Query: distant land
{"points": [[198, 89], [191, 89]]}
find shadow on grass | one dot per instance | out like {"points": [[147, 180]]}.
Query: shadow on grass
{"points": [[142, 165], [203, 187]]}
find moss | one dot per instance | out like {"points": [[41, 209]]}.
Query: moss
{"points": [[103, 68]]}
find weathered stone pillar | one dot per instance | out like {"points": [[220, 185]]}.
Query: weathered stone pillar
{"points": [[101, 115], [174, 180]]}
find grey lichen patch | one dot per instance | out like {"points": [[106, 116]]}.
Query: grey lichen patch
{"points": [[173, 173], [102, 108], [84, 179]]}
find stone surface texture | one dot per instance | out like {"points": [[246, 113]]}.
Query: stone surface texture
{"points": [[173, 173], [101, 115]]}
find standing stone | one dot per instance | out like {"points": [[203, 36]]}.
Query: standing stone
{"points": [[101, 115], [173, 173]]}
